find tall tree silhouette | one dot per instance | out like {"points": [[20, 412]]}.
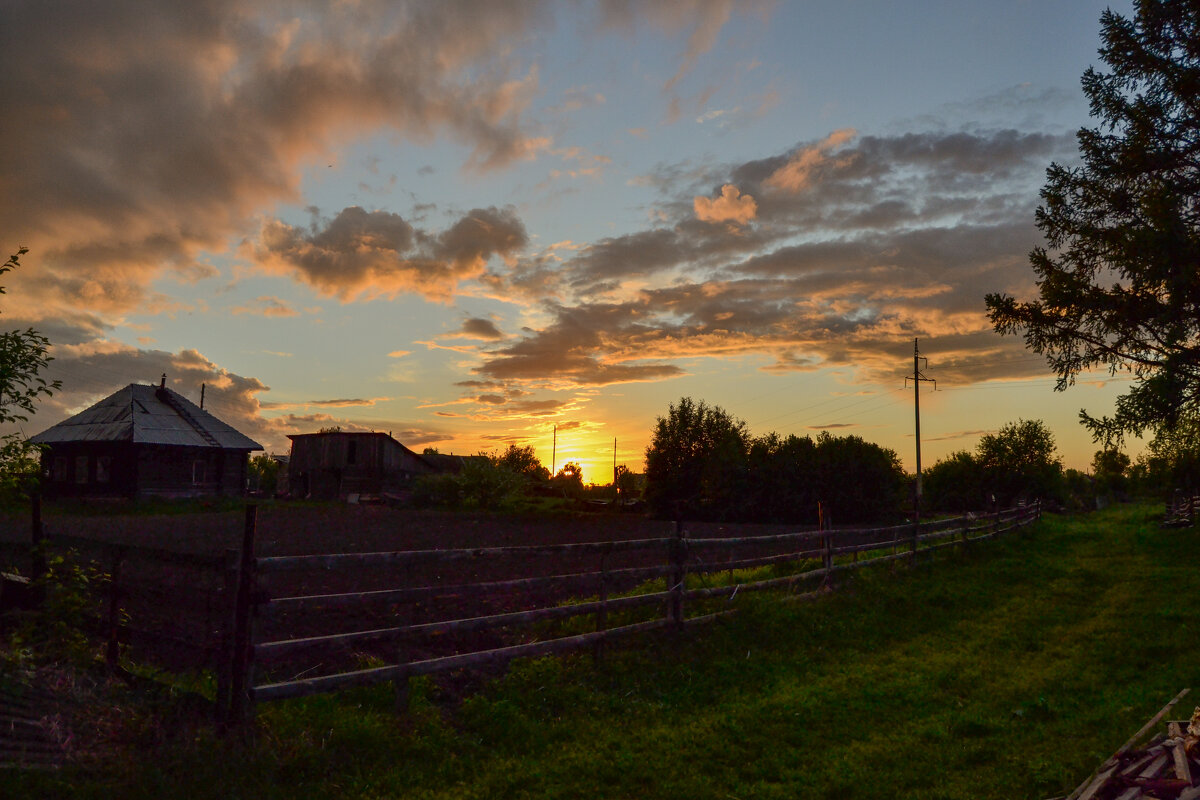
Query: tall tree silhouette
{"points": [[1119, 277]]}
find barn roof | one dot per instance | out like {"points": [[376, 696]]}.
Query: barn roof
{"points": [[147, 415]]}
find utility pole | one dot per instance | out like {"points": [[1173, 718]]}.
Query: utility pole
{"points": [[554, 452], [916, 378]]}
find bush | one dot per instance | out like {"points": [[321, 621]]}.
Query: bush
{"points": [[435, 490], [482, 484]]}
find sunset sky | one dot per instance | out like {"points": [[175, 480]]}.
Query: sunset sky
{"points": [[468, 222]]}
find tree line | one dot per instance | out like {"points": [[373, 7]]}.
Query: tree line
{"points": [[703, 463]]}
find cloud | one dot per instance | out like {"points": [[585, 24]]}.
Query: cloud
{"points": [[148, 134], [797, 173], [379, 254], [570, 353], [93, 370], [731, 206], [903, 239], [705, 18], [476, 328], [266, 306], [338, 403]]}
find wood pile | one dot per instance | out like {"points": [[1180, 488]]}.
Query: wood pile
{"points": [[1164, 767]]}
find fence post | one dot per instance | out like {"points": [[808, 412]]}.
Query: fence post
{"points": [[677, 553], [243, 656]]}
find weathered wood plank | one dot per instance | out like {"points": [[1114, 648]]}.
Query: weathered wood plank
{"points": [[1150, 725], [370, 677], [395, 558], [278, 605], [284, 646]]}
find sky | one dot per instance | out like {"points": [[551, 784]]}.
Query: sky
{"points": [[470, 224]]}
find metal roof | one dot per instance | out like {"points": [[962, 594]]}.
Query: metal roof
{"points": [[147, 415]]}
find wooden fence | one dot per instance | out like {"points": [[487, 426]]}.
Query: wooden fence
{"points": [[176, 605], [672, 584], [275, 627], [1181, 510]]}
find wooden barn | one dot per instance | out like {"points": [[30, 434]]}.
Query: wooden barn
{"points": [[144, 441], [334, 464]]}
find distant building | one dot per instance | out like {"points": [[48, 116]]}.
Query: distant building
{"points": [[144, 441], [335, 464]]}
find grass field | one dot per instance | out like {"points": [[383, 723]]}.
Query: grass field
{"points": [[1010, 672]]}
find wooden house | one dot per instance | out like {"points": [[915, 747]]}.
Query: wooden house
{"points": [[144, 441], [335, 464]]}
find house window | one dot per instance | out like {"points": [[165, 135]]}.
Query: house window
{"points": [[103, 468], [61, 473], [81, 469], [352, 452], [198, 471]]}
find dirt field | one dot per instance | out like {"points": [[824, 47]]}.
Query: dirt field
{"points": [[285, 529], [188, 604]]}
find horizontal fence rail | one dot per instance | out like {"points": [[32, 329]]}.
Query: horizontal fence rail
{"points": [[635, 589], [283, 626]]}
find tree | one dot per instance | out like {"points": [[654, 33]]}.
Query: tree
{"points": [[569, 480], [1172, 459], [695, 456], [523, 461], [264, 474], [627, 483], [486, 485], [784, 479], [1109, 467], [859, 481], [955, 483], [1020, 461], [1118, 280], [23, 357]]}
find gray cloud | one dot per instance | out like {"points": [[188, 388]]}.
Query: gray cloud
{"points": [[867, 245], [379, 253], [477, 328], [142, 134]]}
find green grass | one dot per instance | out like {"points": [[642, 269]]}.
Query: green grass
{"points": [[1011, 672]]}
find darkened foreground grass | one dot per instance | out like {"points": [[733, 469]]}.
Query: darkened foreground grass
{"points": [[1008, 673]]}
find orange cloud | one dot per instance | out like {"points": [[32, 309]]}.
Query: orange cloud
{"points": [[731, 206], [380, 254], [797, 173], [266, 306], [135, 155]]}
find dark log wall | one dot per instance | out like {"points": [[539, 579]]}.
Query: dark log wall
{"points": [[337, 464], [90, 469], [123, 469]]}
